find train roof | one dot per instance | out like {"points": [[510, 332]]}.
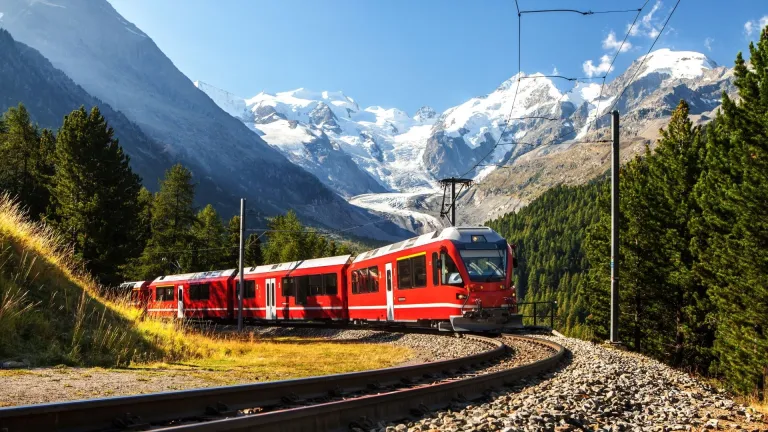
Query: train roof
{"points": [[460, 234], [132, 284], [197, 276], [299, 265]]}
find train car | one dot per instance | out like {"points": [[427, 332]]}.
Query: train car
{"points": [[456, 279], [206, 295], [300, 290], [139, 292]]}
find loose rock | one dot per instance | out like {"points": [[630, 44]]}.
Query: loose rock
{"points": [[601, 389]]}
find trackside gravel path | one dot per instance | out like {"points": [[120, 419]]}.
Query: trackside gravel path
{"points": [[600, 389]]}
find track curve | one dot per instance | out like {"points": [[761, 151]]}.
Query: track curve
{"points": [[334, 401]]}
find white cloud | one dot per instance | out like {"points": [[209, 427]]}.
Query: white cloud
{"points": [[755, 26], [708, 43], [601, 69], [610, 43], [555, 71], [1, 15], [748, 28], [649, 25]]}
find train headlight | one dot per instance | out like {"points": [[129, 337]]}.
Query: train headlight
{"points": [[461, 296]]}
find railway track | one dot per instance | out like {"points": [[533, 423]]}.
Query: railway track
{"points": [[333, 402]]}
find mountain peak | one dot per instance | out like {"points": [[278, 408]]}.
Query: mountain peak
{"points": [[425, 114], [676, 64]]}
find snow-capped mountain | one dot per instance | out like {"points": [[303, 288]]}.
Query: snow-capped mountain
{"points": [[532, 123], [655, 84], [305, 143], [386, 144]]}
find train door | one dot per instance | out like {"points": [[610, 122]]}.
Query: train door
{"points": [[390, 293], [270, 300], [180, 302]]}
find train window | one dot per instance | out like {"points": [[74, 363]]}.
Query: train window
{"points": [[164, 293], [373, 279], [302, 289], [448, 270], [435, 270], [404, 274], [355, 282], [289, 287], [419, 271], [363, 280], [199, 292], [316, 285], [412, 272], [330, 283], [250, 289]]}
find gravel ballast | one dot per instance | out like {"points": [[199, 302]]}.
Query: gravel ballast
{"points": [[599, 389], [427, 347]]}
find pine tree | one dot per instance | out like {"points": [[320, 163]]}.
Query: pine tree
{"points": [[674, 170], [96, 194], [173, 216], [732, 247], [133, 269], [253, 256], [233, 240], [25, 155], [287, 240], [210, 241]]}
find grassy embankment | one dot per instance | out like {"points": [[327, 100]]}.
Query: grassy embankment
{"points": [[51, 313]]}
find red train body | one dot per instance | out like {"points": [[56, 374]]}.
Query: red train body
{"points": [[456, 279]]}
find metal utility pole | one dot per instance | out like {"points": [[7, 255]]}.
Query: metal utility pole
{"points": [[241, 285], [615, 213], [453, 203], [449, 209]]}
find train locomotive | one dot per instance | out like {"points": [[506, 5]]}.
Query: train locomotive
{"points": [[454, 279]]}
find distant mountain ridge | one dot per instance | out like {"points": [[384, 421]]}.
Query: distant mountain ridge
{"points": [[384, 145], [116, 62], [408, 155], [48, 94], [254, 146]]}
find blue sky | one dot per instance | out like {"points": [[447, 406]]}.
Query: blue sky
{"points": [[406, 54]]}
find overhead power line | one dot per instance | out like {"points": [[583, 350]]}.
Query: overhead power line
{"points": [[640, 66], [610, 67], [588, 12], [514, 98], [561, 77]]}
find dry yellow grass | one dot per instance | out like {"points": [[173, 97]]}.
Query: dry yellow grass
{"points": [[52, 311]]}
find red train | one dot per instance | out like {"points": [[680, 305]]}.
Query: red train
{"points": [[456, 279]]}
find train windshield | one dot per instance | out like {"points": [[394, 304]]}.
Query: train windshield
{"points": [[487, 265]]}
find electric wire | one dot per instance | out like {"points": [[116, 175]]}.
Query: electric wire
{"points": [[585, 13], [561, 77], [514, 98], [610, 67], [640, 66]]}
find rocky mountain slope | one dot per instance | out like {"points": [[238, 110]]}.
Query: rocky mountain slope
{"points": [[305, 143], [116, 62], [654, 87], [27, 77], [540, 125], [386, 144]]}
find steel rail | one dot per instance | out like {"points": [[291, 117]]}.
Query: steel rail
{"points": [[136, 412], [395, 405]]}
